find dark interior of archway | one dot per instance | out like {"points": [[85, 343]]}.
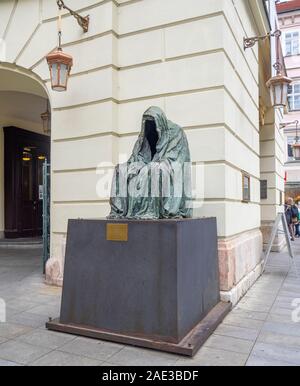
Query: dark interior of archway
{"points": [[151, 135], [25, 154]]}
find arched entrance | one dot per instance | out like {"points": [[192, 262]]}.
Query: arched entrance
{"points": [[24, 147]]}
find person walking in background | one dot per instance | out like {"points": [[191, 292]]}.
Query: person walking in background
{"points": [[292, 216]]}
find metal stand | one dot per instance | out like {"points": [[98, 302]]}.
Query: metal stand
{"points": [[46, 213], [280, 218]]}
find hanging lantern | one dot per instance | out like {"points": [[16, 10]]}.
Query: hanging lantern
{"points": [[296, 150], [296, 145], [46, 118], [59, 63], [278, 86]]}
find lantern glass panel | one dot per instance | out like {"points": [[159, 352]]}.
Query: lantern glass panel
{"points": [[54, 70], [272, 93], [284, 93], [278, 95], [63, 75], [296, 152]]}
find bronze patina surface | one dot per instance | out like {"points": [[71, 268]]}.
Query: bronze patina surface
{"points": [[155, 183]]}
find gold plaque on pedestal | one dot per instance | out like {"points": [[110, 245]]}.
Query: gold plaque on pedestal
{"points": [[117, 232]]}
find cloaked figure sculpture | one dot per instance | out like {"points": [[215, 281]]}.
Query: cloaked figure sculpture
{"points": [[155, 183]]}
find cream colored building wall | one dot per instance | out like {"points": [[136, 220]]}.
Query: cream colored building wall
{"points": [[272, 170], [272, 152], [184, 56], [272, 164]]}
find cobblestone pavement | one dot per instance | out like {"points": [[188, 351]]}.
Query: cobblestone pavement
{"points": [[259, 331]]}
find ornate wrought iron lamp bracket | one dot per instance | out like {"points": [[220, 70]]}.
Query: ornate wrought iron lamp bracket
{"points": [[250, 42], [82, 21]]}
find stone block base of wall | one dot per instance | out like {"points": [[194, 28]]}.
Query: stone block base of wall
{"points": [[266, 230], [54, 274], [240, 260], [236, 293], [55, 265]]}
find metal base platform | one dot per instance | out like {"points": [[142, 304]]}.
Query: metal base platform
{"points": [[187, 347]]}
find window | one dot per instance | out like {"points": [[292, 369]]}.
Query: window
{"points": [[294, 96], [292, 43], [263, 189], [246, 187]]}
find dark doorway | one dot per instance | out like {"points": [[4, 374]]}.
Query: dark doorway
{"points": [[24, 155]]}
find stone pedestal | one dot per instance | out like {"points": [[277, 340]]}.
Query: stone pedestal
{"points": [[147, 283]]}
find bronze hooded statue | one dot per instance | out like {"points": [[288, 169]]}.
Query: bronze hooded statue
{"points": [[156, 181]]}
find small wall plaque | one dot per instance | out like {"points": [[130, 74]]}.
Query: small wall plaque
{"points": [[117, 232]]}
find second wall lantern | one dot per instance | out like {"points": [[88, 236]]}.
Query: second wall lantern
{"points": [[59, 62], [278, 86], [279, 83]]}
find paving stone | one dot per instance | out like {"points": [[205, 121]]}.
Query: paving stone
{"points": [[108, 364], [259, 299], [238, 321], [286, 299], [4, 363], [2, 340], [11, 330], [28, 319], [281, 311], [20, 352], [249, 314], [237, 332], [50, 290], [92, 348], [254, 306], [277, 352], [131, 356], [6, 294], [45, 338], [287, 341], [289, 294], [256, 290], [58, 358], [214, 357], [283, 328], [283, 304], [291, 288], [257, 361], [48, 310], [40, 298], [10, 312], [275, 318], [230, 344], [21, 304]]}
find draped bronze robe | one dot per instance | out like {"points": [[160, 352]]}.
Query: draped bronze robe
{"points": [[161, 148]]}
